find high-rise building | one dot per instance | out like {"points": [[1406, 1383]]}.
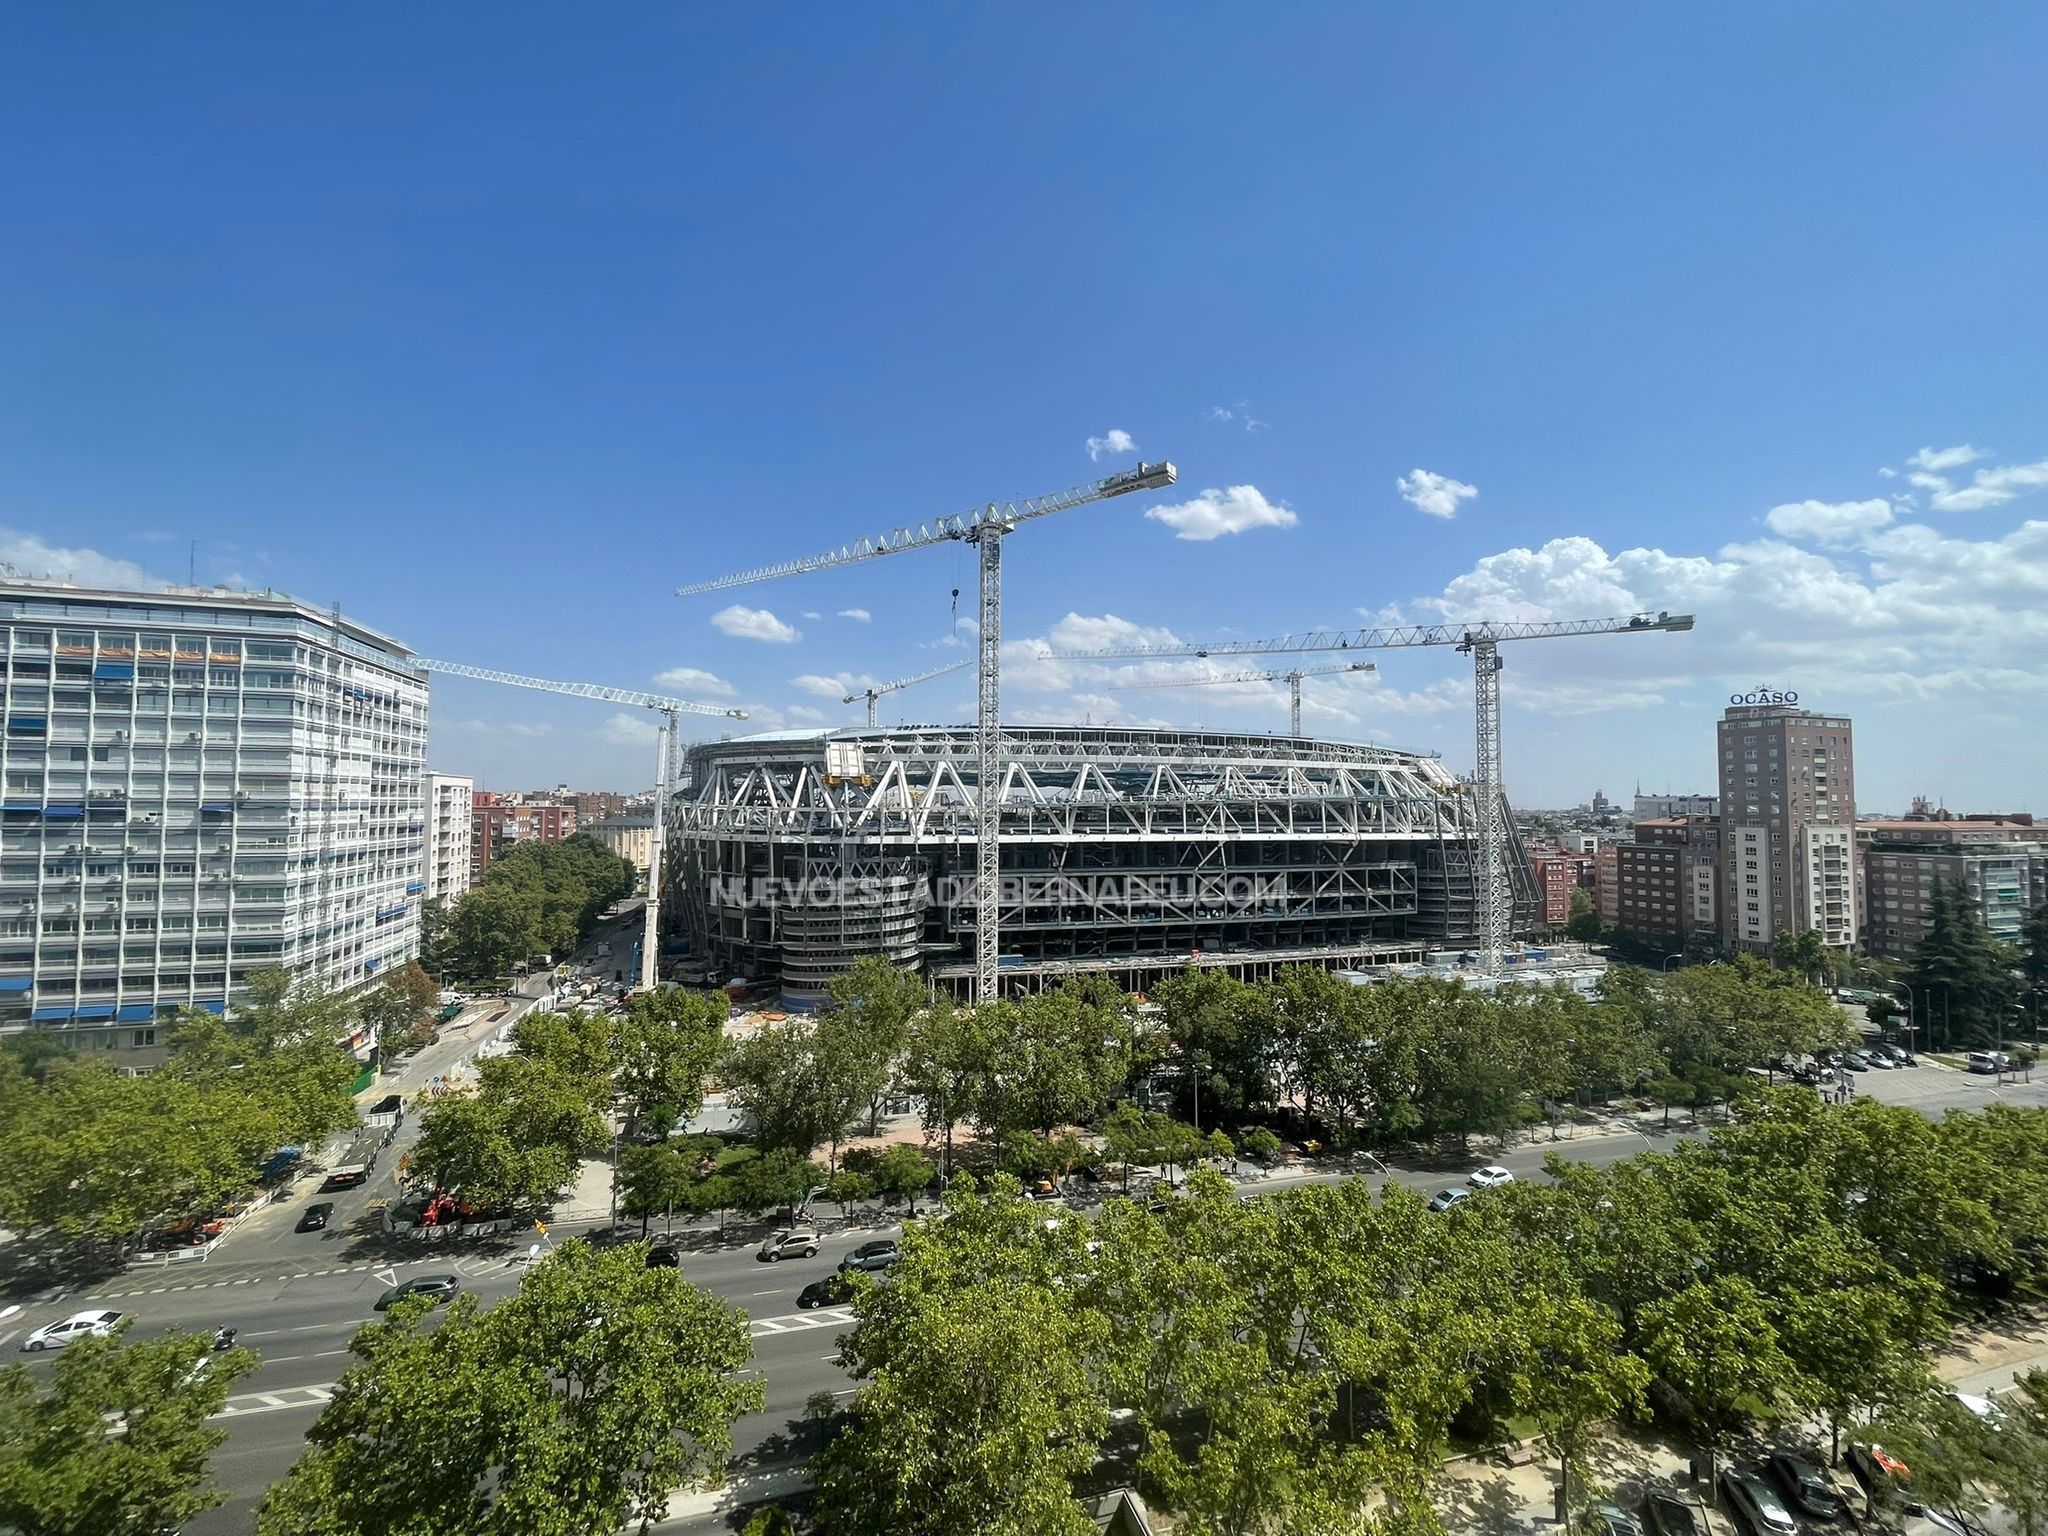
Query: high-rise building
{"points": [[1788, 818], [1558, 874], [1702, 876], [449, 834], [198, 785], [1607, 884]]}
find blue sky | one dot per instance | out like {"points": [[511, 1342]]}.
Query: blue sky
{"points": [[497, 324]]}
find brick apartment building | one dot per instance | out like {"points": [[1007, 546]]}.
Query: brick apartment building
{"points": [[498, 822]]}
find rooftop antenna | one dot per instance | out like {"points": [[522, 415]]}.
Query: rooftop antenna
{"points": [[192, 564]]}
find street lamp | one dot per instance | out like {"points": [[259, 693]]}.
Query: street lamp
{"points": [[1667, 962]]}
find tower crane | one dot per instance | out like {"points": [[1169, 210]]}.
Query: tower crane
{"points": [[984, 528], [877, 690], [1479, 639], [665, 739], [1292, 678]]}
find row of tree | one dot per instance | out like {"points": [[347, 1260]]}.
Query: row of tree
{"points": [[1290, 1361], [1971, 990], [534, 899], [93, 1157]]}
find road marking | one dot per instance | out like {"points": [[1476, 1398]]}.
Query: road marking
{"points": [[845, 1391], [796, 1322], [768, 1293], [10, 1333]]}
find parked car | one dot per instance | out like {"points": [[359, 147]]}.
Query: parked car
{"points": [[441, 1288], [1880, 1061], [1981, 1061], [1898, 1054], [1757, 1503], [79, 1325], [1444, 1199], [879, 1254], [664, 1256], [1611, 1520], [1667, 1514], [1856, 1061], [315, 1216], [835, 1290], [1490, 1177], [1806, 1486], [794, 1243]]}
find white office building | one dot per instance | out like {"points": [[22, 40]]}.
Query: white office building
{"points": [[199, 785], [451, 801]]}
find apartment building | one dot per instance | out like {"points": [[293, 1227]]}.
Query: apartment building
{"points": [[1788, 816], [1658, 807], [1702, 884], [1607, 884], [450, 834], [197, 785], [497, 822], [1652, 903], [1558, 874], [1903, 861], [630, 837]]}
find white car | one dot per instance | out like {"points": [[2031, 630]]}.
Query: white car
{"points": [[1491, 1177], [80, 1325]]}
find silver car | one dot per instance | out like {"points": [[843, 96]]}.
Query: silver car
{"points": [[80, 1325], [796, 1243]]}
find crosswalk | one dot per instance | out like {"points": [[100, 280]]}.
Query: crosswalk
{"points": [[797, 1322], [245, 1403]]}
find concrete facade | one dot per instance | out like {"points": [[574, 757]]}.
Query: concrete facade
{"points": [[1788, 813], [450, 835]]}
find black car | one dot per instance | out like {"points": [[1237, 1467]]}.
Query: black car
{"points": [[664, 1256], [835, 1290], [1666, 1514], [1805, 1486], [441, 1288], [315, 1216], [1610, 1520], [877, 1255], [611, 1237]]}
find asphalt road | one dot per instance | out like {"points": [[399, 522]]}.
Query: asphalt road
{"points": [[298, 1298]]}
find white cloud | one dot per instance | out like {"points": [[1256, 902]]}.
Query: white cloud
{"points": [[813, 615], [1991, 487], [695, 681], [803, 714], [834, 685], [1115, 440], [31, 556], [1834, 523], [1241, 413], [1438, 495], [1098, 632], [1215, 513], [624, 730], [1938, 459], [858, 615], [754, 624]]}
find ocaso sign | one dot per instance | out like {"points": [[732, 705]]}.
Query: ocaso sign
{"points": [[1763, 696]]}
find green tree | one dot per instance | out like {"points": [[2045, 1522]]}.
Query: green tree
{"points": [[1963, 972], [955, 1428], [1053, 1059], [947, 1059], [655, 1179], [569, 1409], [117, 1443], [1584, 923], [778, 1076], [1715, 1344], [2034, 967], [398, 1009], [493, 927], [664, 1046], [902, 1172], [868, 1018], [533, 1116]]}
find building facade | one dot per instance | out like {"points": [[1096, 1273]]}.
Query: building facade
{"points": [[1702, 877], [1558, 874], [1607, 885], [1903, 862], [1788, 817], [1659, 807], [199, 785], [497, 822], [1651, 904], [450, 835], [630, 837]]}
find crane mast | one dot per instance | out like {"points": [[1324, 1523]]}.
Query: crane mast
{"points": [[1292, 678], [666, 736], [985, 528], [871, 694], [1480, 639]]}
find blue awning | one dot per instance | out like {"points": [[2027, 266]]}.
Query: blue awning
{"points": [[217, 808], [30, 806], [49, 1015], [114, 671], [64, 810], [212, 1007], [34, 725], [95, 1011], [15, 984], [130, 1013]]}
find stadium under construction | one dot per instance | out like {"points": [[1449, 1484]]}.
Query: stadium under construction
{"points": [[1127, 852]]}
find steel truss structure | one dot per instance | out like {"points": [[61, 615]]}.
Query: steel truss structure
{"points": [[797, 853]]}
